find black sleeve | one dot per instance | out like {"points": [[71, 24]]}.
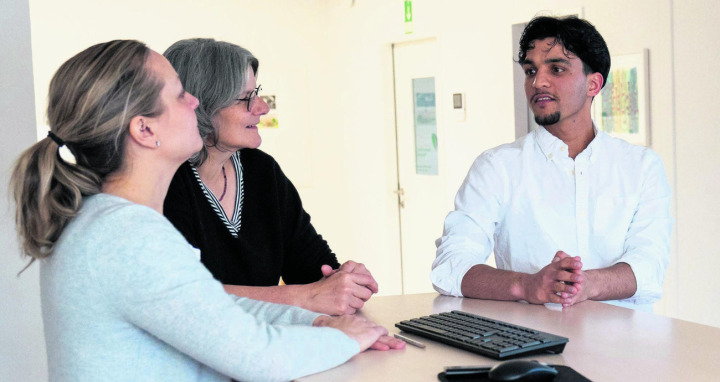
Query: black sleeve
{"points": [[305, 250]]}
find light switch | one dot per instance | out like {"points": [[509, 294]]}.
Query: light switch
{"points": [[458, 110]]}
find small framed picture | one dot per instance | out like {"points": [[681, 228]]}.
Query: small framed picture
{"points": [[270, 120]]}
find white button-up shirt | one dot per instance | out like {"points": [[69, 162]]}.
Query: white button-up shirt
{"points": [[528, 199]]}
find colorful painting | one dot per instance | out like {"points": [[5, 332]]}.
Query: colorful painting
{"points": [[620, 112], [621, 108]]}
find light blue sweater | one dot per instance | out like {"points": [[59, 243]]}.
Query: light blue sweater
{"points": [[125, 298]]}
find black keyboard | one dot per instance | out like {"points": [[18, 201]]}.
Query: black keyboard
{"points": [[482, 335]]}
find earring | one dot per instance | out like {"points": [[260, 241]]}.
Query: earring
{"points": [[157, 143]]}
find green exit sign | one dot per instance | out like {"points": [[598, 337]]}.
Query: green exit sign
{"points": [[408, 17]]}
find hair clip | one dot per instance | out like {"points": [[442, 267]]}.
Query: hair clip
{"points": [[66, 155], [63, 151]]}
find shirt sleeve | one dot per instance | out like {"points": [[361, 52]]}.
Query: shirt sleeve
{"points": [[647, 242], [154, 280], [468, 230], [305, 250]]}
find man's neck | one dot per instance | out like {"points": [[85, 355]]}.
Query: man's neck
{"points": [[576, 134]]}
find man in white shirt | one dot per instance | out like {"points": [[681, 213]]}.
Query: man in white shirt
{"points": [[571, 213]]}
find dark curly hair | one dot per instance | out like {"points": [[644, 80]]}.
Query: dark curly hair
{"points": [[577, 36]]}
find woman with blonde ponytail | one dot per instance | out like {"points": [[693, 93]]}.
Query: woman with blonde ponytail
{"points": [[124, 296], [84, 121]]}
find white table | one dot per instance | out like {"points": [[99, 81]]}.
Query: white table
{"points": [[607, 343]]}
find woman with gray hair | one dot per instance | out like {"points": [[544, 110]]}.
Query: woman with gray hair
{"points": [[123, 294], [233, 202]]}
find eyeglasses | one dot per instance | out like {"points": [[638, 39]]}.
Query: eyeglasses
{"points": [[251, 98]]}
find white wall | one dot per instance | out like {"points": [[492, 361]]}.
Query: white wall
{"points": [[696, 37], [329, 63], [22, 347]]}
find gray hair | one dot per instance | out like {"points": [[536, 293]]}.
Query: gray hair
{"points": [[215, 72]]}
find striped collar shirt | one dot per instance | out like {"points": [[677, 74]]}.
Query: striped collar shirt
{"points": [[232, 224]]}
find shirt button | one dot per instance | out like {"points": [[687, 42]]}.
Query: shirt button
{"points": [[550, 156]]}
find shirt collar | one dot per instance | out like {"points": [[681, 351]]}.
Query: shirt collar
{"points": [[553, 147], [595, 147]]}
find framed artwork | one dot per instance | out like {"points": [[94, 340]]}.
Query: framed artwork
{"points": [[622, 107], [270, 120]]}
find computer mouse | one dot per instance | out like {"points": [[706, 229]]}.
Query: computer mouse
{"points": [[522, 370]]}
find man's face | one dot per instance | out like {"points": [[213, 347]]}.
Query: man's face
{"points": [[555, 84]]}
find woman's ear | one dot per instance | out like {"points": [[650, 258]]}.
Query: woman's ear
{"points": [[595, 84], [142, 133]]}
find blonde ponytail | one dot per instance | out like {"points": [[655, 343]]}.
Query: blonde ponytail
{"points": [[92, 98]]}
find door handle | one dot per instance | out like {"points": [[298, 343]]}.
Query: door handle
{"points": [[401, 196]]}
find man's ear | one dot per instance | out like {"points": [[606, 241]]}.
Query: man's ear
{"points": [[141, 132], [595, 84]]}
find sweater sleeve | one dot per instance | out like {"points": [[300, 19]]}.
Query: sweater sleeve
{"points": [[154, 279], [305, 250], [277, 314]]}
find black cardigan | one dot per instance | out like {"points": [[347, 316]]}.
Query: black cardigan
{"points": [[276, 237]]}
